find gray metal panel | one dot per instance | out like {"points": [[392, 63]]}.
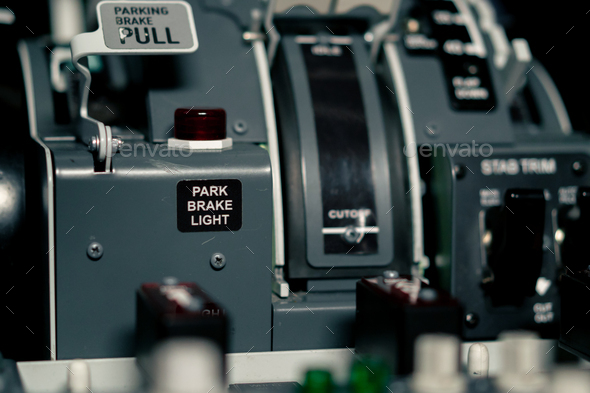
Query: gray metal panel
{"points": [[466, 261], [44, 110], [313, 321], [310, 161], [238, 9], [431, 106], [332, 285], [132, 213], [549, 119], [221, 73]]}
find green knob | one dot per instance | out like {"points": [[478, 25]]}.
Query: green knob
{"points": [[318, 381], [369, 376]]}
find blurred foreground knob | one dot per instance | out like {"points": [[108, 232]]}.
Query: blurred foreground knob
{"points": [[436, 364], [522, 361], [571, 380], [187, 366]]}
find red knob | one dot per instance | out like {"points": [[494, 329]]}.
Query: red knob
{"points": [[194, 124]]}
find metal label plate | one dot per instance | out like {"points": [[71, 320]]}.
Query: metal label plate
{"points": [[209, 205], [147, 25]]}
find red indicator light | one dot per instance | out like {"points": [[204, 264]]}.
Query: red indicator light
{"points": [[193, 124]]}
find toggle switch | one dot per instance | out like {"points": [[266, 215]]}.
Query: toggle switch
{"points": [[515, 253], [574, 231]]}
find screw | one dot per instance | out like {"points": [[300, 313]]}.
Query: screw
{"points": [[350, 235], [240, 127], [390, 274], [95, 250], [559, 236], [93, 143], [459, 171], [428, 294], [487, 238], [218, 261], [579, 167], [170, 281], [472, 69], [117, 143], [431, 130], [471, 320], [412, 26]]}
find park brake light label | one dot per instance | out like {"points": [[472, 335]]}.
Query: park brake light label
{"points": [[209, 205]]}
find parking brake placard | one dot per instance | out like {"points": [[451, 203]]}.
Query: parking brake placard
{"points": [[147, 25], [209, 205]]}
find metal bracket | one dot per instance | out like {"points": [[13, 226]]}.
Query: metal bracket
{"points": [[279, 285], [59, 55], [89, 127], [379, 31], [273, 35], [114, 39]]}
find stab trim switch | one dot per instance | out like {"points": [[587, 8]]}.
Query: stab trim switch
{"points": [[200, 129], [574, 227], [515, 255]]}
